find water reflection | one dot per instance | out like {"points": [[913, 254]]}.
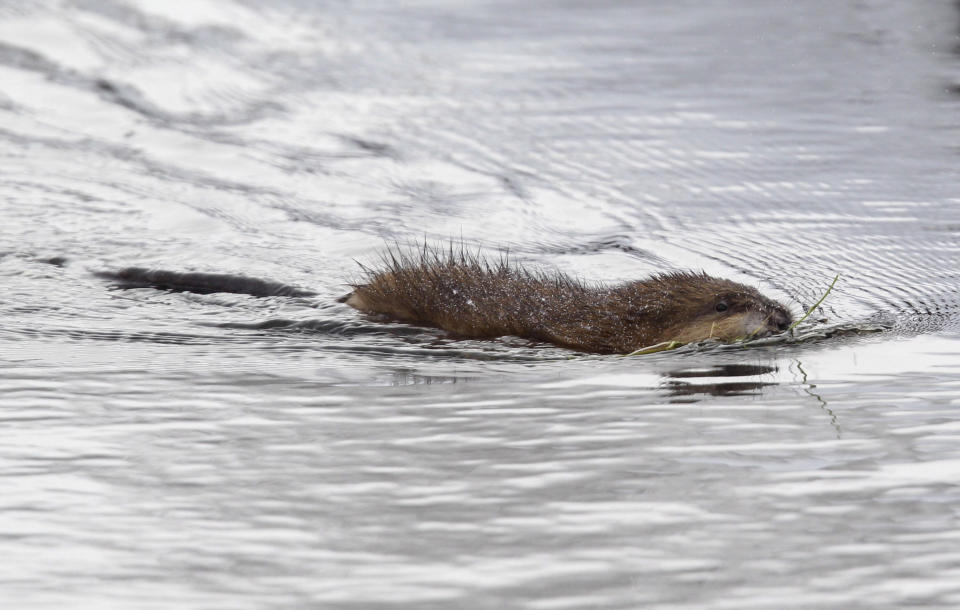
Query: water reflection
{"points": [[808, 389], [685, 389], [404, 377], [724, 370]]}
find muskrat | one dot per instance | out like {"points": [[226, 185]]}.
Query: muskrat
{"points": [[470, 297]]}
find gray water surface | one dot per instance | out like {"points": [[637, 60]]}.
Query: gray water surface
{"points": [[168, 449]]}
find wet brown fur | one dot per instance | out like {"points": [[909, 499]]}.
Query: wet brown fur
{"points": [[466, 295]]}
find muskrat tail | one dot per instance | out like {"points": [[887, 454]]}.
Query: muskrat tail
{"points": [[200, 283]]}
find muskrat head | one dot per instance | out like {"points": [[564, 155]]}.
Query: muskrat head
{"points": [[695, 306]]}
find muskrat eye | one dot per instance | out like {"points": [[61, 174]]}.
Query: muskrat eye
{"points": [[721, 306]]}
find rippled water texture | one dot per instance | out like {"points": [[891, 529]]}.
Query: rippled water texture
{"points": [[175, 449]]}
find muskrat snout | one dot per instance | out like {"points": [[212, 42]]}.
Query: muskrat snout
{"points": [[780, 320]]}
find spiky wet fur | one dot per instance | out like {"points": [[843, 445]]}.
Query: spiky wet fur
{"points": [[468, 295]]}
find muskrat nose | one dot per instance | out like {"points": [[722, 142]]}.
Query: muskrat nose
{"points": [[780, 320]]}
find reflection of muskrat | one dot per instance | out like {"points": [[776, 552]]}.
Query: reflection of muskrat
{"points": [[471, 298]]}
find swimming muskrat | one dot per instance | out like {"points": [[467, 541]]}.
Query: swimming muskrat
{"points": [[470, 297]]}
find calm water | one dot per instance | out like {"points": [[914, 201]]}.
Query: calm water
{"points": [[164, 449]]}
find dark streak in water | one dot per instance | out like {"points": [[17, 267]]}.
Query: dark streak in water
{"points": [[56, 261], [121, 336], [24, 59], [377, 149], [619, 242], [125, 95], [513, 186], [132, 99]]}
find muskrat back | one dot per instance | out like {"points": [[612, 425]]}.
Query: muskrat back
{"points": [[471, 297]]}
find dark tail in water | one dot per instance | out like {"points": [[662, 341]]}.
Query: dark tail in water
{"points": [[200, 283]]}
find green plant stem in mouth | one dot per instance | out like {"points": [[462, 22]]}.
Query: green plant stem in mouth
{"points": [[815, 305], [659, 347]]}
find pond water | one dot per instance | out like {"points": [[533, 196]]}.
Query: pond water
{"points": [[226, 451]]}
